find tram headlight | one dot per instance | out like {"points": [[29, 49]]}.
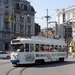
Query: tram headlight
{"points": [[15, 56]]}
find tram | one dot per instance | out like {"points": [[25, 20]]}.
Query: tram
{"points": [[37, 50]]}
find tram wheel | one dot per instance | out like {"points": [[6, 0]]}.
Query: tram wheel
{"points": [[61, 59], [39, 61]]}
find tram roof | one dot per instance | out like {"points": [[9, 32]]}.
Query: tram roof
{"points": [[41, 40]]}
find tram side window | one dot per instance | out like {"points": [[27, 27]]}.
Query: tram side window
{"points": [[31, 47], [17, 47], [55, 48], [22, 48], [47, 48], [60, 48], [36, 47], [51, 48], [42, 48], [27, 47], [64, 48]]}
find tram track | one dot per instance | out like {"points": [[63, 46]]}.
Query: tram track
{"points": [[7, 73], [22, 70], [14, 68]]}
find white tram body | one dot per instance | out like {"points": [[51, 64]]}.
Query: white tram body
{"points": [[37, 50]]}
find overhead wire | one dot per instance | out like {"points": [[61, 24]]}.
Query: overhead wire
{"points": [[43, 17], [42, 8], [37, 4]]}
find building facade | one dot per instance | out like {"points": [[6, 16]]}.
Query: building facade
{"points": [[37, 29], [23, 14], [65, 19]]}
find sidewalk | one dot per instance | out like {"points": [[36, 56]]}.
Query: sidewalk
{"points": [[70, 56]]}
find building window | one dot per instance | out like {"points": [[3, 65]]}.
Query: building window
{"points": [[17, 6], [21, 28], [6, 15], [29, 7], [25, 7], [21, 19], [6, 26], [14, 27], [68, 16], [28, 19], [15, 17], [21, 6], [29, 29], [6, 1], [6, 6], [73, 15]]}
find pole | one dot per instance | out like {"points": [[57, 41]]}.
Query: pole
{"points": [[47, 23], [47, 18], [67, 36]]}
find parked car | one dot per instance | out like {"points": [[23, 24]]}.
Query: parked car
{"points": [[4, 55]]}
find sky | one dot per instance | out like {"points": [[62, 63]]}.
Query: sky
{"points": [[41, 7]]}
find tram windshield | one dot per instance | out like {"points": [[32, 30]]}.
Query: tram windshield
{"points": [[17, 48]]}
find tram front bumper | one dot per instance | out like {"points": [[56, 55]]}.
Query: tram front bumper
{"points": [[14, 61]]}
